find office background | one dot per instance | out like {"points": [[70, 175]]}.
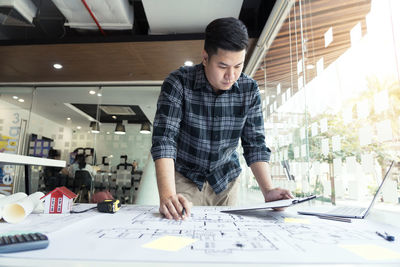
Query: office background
{"points": [[328, 73]]}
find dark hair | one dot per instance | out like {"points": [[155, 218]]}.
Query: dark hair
{"points": [[80, 159], [53, 153], [225, 33]]}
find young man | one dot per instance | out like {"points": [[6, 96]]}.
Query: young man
{"points": [[202, 112]]}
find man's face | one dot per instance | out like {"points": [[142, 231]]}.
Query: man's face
{"points": [[223, 68]]}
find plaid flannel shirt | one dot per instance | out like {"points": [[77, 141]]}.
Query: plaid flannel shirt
{"points": [[200, 129]]}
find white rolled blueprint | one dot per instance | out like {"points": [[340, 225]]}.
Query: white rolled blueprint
{"points": [[10, 199], [17, 211]]}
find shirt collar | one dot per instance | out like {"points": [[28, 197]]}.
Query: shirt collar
{"points": [[202, 82]]}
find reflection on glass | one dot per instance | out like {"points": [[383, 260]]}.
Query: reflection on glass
{"points": [[342, 116]]}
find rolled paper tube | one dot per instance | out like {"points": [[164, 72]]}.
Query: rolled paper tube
{"points": [[36, 199], [10, 199], [17, 212]]}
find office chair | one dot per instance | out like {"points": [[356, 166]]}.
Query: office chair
{"points": [[124, 183], [83, 185]]}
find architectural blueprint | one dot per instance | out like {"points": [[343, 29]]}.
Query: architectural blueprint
{"points": [[250, 237]]}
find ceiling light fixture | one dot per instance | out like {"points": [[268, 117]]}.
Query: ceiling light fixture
{"points": [[15, 97], [68, 119], [120, 128], [21, 100], [92, 92], [188, 63], [145, 128], [78, 127], [94, 127], [57, 66]]}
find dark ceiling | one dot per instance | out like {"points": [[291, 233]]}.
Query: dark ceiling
{"points": [[48, 26], [28, 52]]}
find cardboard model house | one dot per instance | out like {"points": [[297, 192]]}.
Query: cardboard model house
{"points": [[59, 200]]}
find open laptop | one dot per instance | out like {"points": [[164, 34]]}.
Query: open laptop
{"points": [[345, 211]]}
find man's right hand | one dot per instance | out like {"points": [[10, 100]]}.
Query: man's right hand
{"points": [[171, 203], [172, 207]]}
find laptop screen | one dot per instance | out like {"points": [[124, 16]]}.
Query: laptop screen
{"points": [[379, 189]]}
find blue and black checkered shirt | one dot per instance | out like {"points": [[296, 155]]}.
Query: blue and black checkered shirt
{"points": [[200, 129]]}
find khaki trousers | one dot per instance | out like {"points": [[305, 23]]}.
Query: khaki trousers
{"points": [[207, 196]]}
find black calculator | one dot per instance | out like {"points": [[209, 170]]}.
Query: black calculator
{"points": [[23, 242]]}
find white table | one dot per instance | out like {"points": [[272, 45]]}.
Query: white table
{"points": [[14, 159], [259, 238]]}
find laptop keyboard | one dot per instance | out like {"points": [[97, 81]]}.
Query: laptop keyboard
{"points": [[347, 210]]}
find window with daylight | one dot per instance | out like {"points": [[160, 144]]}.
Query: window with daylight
{"points": [[330, 84]]}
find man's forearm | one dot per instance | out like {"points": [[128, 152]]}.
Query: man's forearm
{"points": [[262, 173], [165, 172]]}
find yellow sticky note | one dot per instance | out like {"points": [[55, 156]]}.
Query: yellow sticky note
{"points": [[372, 252], [296, 220], [170, 243]]}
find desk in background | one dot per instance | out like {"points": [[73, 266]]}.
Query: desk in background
{"points": [[255, 238], [13, 159]]}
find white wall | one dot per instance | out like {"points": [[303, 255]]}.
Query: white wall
{"points": [[12, 115]]}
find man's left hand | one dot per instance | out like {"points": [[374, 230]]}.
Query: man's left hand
{"points": [[277, 194]]}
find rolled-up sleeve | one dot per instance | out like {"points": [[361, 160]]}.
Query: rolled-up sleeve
{"points": [[253, 135], [167, 119]]}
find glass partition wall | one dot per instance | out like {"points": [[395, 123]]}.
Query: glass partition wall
{"points": [[74, 120], [15, 107], [330, 88]]}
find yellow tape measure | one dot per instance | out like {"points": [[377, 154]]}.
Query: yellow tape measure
{"points": [[109, 206]]}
